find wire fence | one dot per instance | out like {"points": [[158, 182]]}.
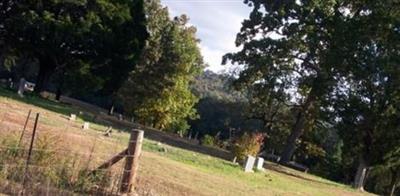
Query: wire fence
{"points": [[49, 165]]}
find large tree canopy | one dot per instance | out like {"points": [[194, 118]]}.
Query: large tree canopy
{"points": [[108, 35], [367, 97]]}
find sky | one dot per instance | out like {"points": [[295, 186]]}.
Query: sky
{"points": [[217, 23]]}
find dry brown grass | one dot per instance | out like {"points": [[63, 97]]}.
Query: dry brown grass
{"points": [[160, 173]]}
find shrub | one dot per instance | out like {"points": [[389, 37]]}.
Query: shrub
{"points": [[208, 140], [247, 144]]}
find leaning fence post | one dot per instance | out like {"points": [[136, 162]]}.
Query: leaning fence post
{"points": [[132, 160], [28, 159], [23, 130]]}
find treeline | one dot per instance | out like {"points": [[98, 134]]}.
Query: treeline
{"points": [[221, 108]]}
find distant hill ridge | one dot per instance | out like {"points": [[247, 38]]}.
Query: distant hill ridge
{"points": [[217, 86]]}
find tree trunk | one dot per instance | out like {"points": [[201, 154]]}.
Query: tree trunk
{"points": [[297, 129], [360, 177], [112, 105], [59, 92], [47, 67], [393, 182], [60, 87], [393, 190]]}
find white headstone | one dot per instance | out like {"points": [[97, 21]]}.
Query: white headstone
{"points": [[260, 164], [85, 126], [11, 83], [72, 117], [234, 160], [249, 164]]}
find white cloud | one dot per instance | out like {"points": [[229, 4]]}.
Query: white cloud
{"points": [[213, 57], [217, 22]]}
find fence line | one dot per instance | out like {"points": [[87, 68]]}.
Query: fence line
{"points": [[34, 176]]}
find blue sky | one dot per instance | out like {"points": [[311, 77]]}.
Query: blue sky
{"points": [[217, 22]]}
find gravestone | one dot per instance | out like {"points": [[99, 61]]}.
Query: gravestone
{"points": [[120, 117], [21, 87], [108, 132], [10, 83], [85, 126], [234, 160], [260, 164], [111, 111], [72, 117], [249, 163]]}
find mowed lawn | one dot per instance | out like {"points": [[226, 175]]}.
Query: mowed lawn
{"points": [[163, 170]]}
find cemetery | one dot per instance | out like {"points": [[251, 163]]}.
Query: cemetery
{"points": [[199, 97]]}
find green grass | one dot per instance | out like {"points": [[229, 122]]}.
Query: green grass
{"points": [[201, 161], [266, 179]]}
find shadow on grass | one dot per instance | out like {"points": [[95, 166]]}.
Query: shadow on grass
{"points": [[105, 120], [283, 170], [35, 100]]}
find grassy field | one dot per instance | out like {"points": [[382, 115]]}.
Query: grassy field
{"points": [[163, 170]]}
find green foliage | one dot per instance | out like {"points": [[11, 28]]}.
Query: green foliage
{"points": [[366, 99], [74, 78], [208, 140], [247, 144], [286, 65], [321, 151], [61, 35], [222, 117], [221, 109], [217, 87], [157, 92]]}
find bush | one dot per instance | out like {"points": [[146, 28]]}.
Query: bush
{"points": [[247, 144], [208, 140]]}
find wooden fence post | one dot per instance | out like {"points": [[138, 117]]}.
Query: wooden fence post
{"points": [[132, 161], [28, 159], [23, 130]]}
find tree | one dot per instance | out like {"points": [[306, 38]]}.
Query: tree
{"points": [[157, 92], [366, 99], [386, 177], [392, 163], [285, 61], [62, 34]]}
